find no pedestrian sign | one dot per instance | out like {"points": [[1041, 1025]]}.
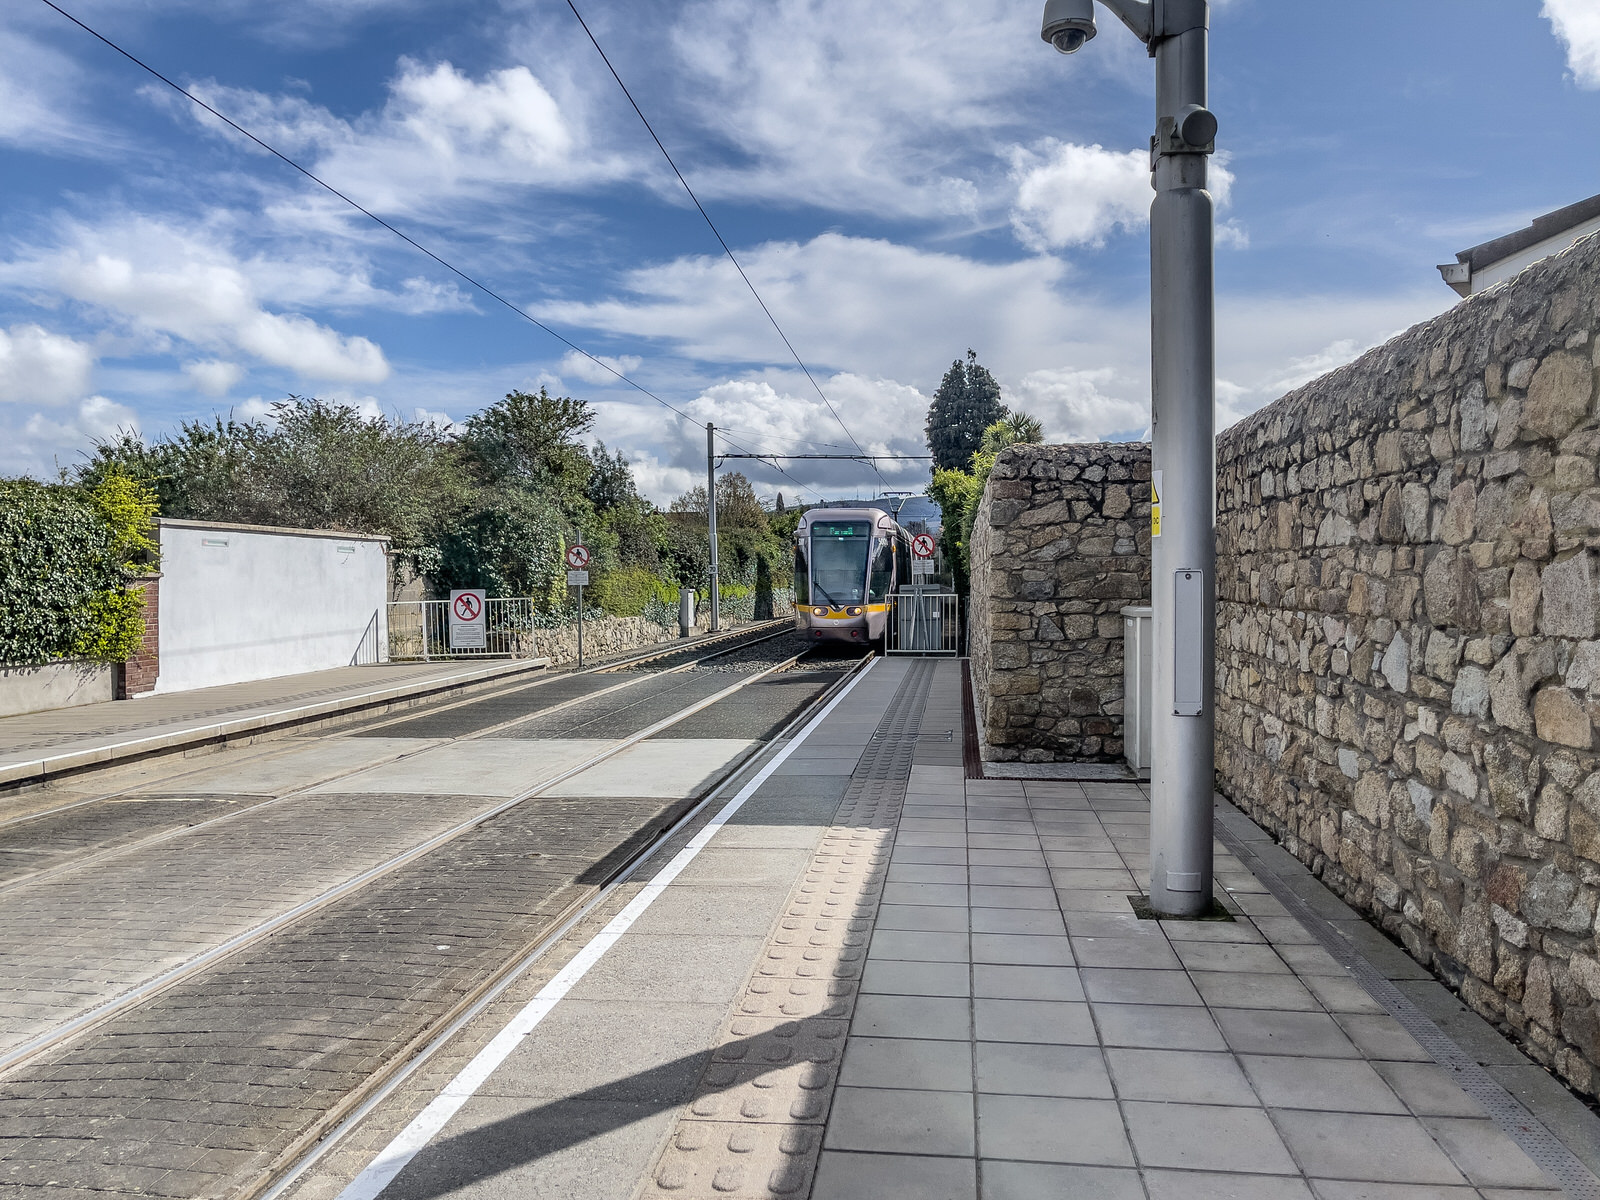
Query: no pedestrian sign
{"points": [[469, 624], [577, 556], [922, 545]]}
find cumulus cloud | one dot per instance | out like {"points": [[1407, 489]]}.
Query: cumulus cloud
{"points": [[212, 376], [586, 369], [1577, 24], [40, 444], [166, 283], [1071, 195], [1083, 405], [41, 367]]}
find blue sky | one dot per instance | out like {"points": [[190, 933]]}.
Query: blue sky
{"points": [[902, 180]]}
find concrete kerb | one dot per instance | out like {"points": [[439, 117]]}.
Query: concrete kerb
{"points": [[297, 717]]}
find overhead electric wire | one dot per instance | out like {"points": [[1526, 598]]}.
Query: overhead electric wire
{"points": [[728, 250], [410, 241]]}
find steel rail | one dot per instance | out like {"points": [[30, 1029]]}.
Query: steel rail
{"points": [[24, 1052], [354, 1107]]}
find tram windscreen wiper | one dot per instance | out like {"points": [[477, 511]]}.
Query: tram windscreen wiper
{"points": [[826, 595]]}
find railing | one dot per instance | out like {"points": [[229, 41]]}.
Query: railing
{"points": [[420, 630], [926, 623]]}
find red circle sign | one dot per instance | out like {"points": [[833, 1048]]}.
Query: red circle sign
{"points": [[922, 545], [577, 557], [466, 607]]}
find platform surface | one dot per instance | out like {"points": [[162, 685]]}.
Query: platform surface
{"points": [[879, 978]]}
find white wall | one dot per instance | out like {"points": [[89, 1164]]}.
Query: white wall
{"points": [[1501, 271], [240, 602]]}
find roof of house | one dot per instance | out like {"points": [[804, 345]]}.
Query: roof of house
{"points": [[1550, 225]]}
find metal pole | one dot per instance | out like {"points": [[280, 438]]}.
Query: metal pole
{"points": [[1183, 386], [580, 613], [711, 519]]}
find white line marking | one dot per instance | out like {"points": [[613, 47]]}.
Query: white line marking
{"points": [[431, 1120]]}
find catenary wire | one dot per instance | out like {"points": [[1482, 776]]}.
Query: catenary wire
{"points": [[410, 241], [728, 250]]}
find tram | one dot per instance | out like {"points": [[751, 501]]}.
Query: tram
{"points": [[847, 563]]}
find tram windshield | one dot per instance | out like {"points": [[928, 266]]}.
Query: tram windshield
{"points": [[839, 561]]}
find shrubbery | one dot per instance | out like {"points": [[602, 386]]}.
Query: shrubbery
{"points": [[66, 554]]}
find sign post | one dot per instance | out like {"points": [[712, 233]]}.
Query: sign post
{"points": [[578, 575], [922, 551], [469, 621]]}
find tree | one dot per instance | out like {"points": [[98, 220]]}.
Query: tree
{"points": [[611, 483], [531, 439], [1015, 428], [966, 403]]}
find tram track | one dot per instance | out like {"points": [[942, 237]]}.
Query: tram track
{"points": [[244, 1010], [15, 1056]]}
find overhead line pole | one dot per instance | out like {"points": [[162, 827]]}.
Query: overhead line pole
{"points": [[711, 521]]}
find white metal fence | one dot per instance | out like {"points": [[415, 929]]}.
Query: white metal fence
{"points": [[420, 630], [924, 624]]}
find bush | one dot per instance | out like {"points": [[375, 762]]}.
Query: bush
{"points": [[626, 592], [65, 557]]}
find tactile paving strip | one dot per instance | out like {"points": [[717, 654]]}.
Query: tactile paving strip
{"points": [[1547, 1151], [754, 1128]]}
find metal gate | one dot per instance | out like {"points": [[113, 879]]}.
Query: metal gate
{"points": [[420, 630], [924, 623]]}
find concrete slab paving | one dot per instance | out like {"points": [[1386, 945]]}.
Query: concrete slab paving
{"points": [[669, 769], [488, 767]]}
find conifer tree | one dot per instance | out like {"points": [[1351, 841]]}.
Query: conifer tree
{"points": [[966, 403]]}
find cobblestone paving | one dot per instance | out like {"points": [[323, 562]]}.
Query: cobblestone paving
{"points": [[754, 1127]]}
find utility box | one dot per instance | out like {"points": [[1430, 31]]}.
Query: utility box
{"points": [[685, 611], [1136, 658]]}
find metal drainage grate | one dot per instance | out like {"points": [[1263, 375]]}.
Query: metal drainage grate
{"points": [[1546, 1150]]}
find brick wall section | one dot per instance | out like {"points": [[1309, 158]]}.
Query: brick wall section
{"points": [[1060, 545], [139, 672], [1408, 670]]}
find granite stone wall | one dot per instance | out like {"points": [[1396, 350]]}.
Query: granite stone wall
{"points": [[1408, 676], [1060, 545]]}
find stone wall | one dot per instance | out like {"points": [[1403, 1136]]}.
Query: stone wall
{"points": [[1408, 671], [1060, 545]]}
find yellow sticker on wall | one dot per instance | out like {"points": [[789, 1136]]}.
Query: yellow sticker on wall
{"points": [[1155, 504]]}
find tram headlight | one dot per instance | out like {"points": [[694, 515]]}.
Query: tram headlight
{"points": [[855, 612]]}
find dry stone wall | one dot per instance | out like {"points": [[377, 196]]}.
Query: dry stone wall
{"points": [[1060, 545], [1408, 664]]}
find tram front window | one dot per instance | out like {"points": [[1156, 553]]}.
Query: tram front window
{"points": [[839, 561]]}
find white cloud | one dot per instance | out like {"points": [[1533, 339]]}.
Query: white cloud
{"points": [[1083, 405], [1577, 24], [40, 444], [586, 369], [166, 283], [212, 376], [40, 367], [1071, 195]]}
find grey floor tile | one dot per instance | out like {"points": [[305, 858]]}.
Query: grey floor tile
{"points": [[1002, 841], [1379, 1037], [1091, 859], [943, 1017], [1116, 985], [915, 872], [1282, 930], [1118, 879], [902, 978], [1011, 876], [1114, 925], [1060, 1022], [1021, 949], [1037, 1070], [1208, 1185], [1326, 1084], [1428, 1090], [1230, 956], [1383, 1149], [924, 947], [1058, 1181], [1180, 1076], [845, 1176], [1152, 952], [1311, 960], [914, 1063], [1026, 982], [992, 896], [1351, 1189], [1094, 900], [1212, 931], [1045, 1129], [925, 893], [928, 855], [1200, 1137], [1158, 1026], [1341, 994], [1251, 989], [1301, 1034], [1485, 1154], [924, 918], [1018, 920], [895, 1121], [1006, 858]]}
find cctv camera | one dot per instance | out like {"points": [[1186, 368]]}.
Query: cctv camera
{"points": [[1068, 24]]}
